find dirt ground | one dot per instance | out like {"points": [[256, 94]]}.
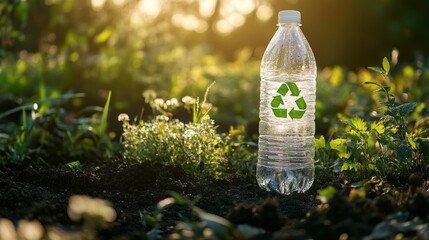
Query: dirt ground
{"points": [[29, 191], [42, 193]]}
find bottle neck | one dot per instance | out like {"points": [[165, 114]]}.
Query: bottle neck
{"points": [[289, 25]]}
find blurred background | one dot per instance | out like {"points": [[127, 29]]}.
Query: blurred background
{"points": [[177, 48]]}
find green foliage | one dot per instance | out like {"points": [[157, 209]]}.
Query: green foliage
{"points": [[196, 146], [48, 133], [75, 46], [388, 143], [326, 194], [11, 13]]}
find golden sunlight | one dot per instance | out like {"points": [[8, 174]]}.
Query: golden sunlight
{"points": [[207, 7], [223, 26], [264, 12], [242, 6], [189, 22], [119, 2], [236, 19], [150, 8], [98, 4], [232, 13]]}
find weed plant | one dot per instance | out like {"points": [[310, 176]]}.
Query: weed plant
{"points": [[48, 133], [196, 146], [393, 142]]}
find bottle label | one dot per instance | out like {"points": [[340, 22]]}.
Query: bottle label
{"points": [[287, 102]]}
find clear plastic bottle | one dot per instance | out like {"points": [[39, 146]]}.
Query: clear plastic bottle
{"points": [[287, 110]]}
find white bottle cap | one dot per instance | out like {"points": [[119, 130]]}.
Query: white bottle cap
{"points": [[289, 16]]}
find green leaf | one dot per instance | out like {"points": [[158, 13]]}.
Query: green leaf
{"points": [[74, 164], [350, 166], [340, 145], [404, 109], [217, 224], [358, 184], [351, 145], [24, 120], [423, 145], [391, 99], [386, 65], [103, 122], [383, 89], [403, 152], [338, 164], [195, 110], [320, 142], [411, 141], [373, 83], [377, 70], [179, 198], [380, 164], [326, 194], [359, 124], [378, 127], [103, 36]]}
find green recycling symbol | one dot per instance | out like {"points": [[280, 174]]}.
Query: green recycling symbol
{"points": [[277, 104]]}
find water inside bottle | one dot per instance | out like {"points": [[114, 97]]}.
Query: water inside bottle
{"points": [[286, 144], [285, 164]]}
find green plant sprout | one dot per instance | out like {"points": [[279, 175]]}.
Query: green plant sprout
{"points": [[199, 113]]}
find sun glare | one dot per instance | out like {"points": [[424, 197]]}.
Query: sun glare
{"points": [[242, 6], [207, 7], [223, 26], [189, 22], [236, 19], [150, 8], [98, 4], [232, 13], [119, 2], [264, 12]]}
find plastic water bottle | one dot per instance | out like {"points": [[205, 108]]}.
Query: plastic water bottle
{"points": [[287, 110]]}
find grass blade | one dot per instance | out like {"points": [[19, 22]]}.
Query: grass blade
{"points": [[103, 122]]}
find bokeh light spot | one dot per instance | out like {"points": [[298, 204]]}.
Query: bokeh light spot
{"points": [[264, 12]]}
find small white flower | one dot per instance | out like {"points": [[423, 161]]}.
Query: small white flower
{"points": [[158, 102], [188, 100], [162, 118], [173, 102], [207, 105], [149, 95], [189, 133], [123, 117]]}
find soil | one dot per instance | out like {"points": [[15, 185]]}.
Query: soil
{"points": [[35, 192], [42, 193]]}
